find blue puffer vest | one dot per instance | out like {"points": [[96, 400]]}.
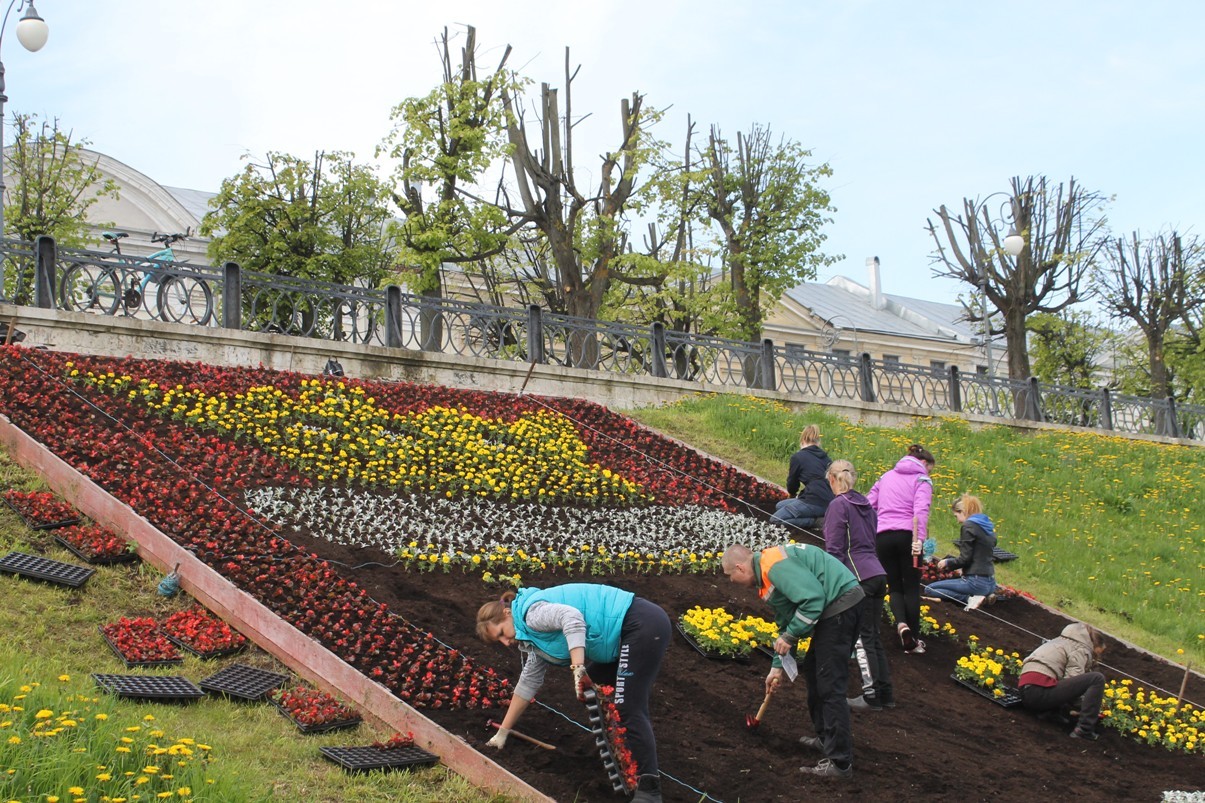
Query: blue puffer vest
{"points": [[603, 607]]}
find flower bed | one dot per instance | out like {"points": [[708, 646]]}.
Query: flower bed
{"points": [[203, 634], [1144, 715], [313, 711], [40, 510], [139, 642], [95, 544]]}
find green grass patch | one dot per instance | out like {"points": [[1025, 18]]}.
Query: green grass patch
{"points": [[1109, 529], [51, 647]]}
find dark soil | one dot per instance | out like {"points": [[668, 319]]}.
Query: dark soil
{"points": [[942, 742]]}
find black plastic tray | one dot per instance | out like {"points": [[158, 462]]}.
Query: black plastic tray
{"points": [[150, 687], [1002, 556], [706, 653], [1011, 697], [336, 725], [184, 645], [51, 571], [244, 682], [137, 664], [49, 525], [364, 759], [98, 560]]}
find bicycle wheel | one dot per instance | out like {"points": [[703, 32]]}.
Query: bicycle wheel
{"points": [[185, 299], [90, 287]]}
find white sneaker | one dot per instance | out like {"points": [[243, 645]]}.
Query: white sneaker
{"points": [[974, 602]]}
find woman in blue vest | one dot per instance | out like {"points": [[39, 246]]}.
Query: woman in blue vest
{"points": [[586, 627]]}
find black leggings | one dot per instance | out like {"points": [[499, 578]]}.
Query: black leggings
{"points": [[643, 640], [894, 548], [1090, 686]]}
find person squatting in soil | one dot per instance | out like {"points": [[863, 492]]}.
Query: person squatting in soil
{"points": [[849, 536], [808, 494], [812, 594], [597, 631], [1056, 675], [976, 545], [901, 498]]}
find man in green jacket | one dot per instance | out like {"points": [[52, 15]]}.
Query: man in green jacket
{"points": [[812, 594]]}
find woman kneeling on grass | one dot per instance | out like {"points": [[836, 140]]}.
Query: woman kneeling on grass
{"points": [[976, 544], [611, 632], [1056, 675]]}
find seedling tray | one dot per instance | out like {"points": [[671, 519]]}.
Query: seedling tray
{"points": [[1009, 699], [184, 645], [150, 687], [45, 525], [244, 682], [365, 759], [1002, 556], [706, 653], [50, 571], [138, 664], [98, 560], [324, 727]]}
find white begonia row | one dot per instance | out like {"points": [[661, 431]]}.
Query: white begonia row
{"points": [[468, 526]]}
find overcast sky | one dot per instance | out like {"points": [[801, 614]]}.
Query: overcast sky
{"points": [[912, 104]]}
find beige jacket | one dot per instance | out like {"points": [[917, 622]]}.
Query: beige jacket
{"points": [[1064, 657]]}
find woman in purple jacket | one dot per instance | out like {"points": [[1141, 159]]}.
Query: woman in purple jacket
{"points": [[849, 535], [901, 498]]}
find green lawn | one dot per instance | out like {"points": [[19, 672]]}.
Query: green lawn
{"points": [[1109, 529]]}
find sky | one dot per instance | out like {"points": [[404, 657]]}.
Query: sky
{"points": [[913, 105]]}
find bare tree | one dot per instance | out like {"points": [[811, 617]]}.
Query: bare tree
{"points": [[1149, 282], [1063, 229]]}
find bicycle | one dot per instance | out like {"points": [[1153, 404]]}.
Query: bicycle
{"points": [[179, 298]]}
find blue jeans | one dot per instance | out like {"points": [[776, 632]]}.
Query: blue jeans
{"points": [[796, 513], [960, 589]]}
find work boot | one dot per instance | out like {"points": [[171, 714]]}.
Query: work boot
{"points": [[648, 789]]}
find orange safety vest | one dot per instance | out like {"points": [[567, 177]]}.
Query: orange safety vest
{"points": [[768, 558]]}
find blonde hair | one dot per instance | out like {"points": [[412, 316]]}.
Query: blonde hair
{"points": [[968, 504], [810, 435], [493, 612], [843, 476]]}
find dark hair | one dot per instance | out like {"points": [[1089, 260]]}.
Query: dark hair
{"points": [[922, 454]]}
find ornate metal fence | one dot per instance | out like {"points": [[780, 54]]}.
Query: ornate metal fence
{"points": [[177, 292]]}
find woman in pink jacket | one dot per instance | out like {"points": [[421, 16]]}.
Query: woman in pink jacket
{"points": [[901, 498]]}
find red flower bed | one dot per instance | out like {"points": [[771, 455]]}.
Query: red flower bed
{"points": [[199, 631], [139, 642], [95, 544], [313, 710], [41, 510]]}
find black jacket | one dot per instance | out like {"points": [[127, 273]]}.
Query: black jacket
{"points": [[806, 476]]}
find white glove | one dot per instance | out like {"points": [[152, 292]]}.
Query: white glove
{"points": [[581, 681], [499, 738], [917, 546]]}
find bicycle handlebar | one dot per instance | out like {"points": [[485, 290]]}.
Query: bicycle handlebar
{"points": [[168, 239]]}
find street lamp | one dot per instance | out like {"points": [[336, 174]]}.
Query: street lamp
{"points": [[32, 32], [1013, 244]]}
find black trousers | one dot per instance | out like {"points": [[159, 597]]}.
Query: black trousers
{"points": [[894, 549], [1090, 686], [826, 670]]}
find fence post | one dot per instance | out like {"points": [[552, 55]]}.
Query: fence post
{"points": [[1033, 401], [660, 369], [393, 316], [535, 334], [232, 295], [865, 378], [1172, 424], [955, 390], [768, 379], [1106, 409], [45, 255]]}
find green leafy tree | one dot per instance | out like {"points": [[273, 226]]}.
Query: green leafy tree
{"points": [[323, 219], [51, 185], [1068, 348], [765, 198]]}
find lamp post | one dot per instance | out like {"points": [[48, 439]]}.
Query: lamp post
{"points": [[1013, 244], [32, 32]]}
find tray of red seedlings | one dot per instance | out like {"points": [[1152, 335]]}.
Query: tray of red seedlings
{"points": [[40, 510], [139, 642], [313, 711], [202, 633], [95, 544]]}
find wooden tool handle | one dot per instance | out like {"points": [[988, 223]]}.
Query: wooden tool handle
{"points": [[761, 712], [526, 738]]}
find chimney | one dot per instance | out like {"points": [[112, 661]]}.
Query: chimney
{"points": [[876, 284]]}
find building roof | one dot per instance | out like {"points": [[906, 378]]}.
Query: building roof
{"points": [[195, 201]]}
